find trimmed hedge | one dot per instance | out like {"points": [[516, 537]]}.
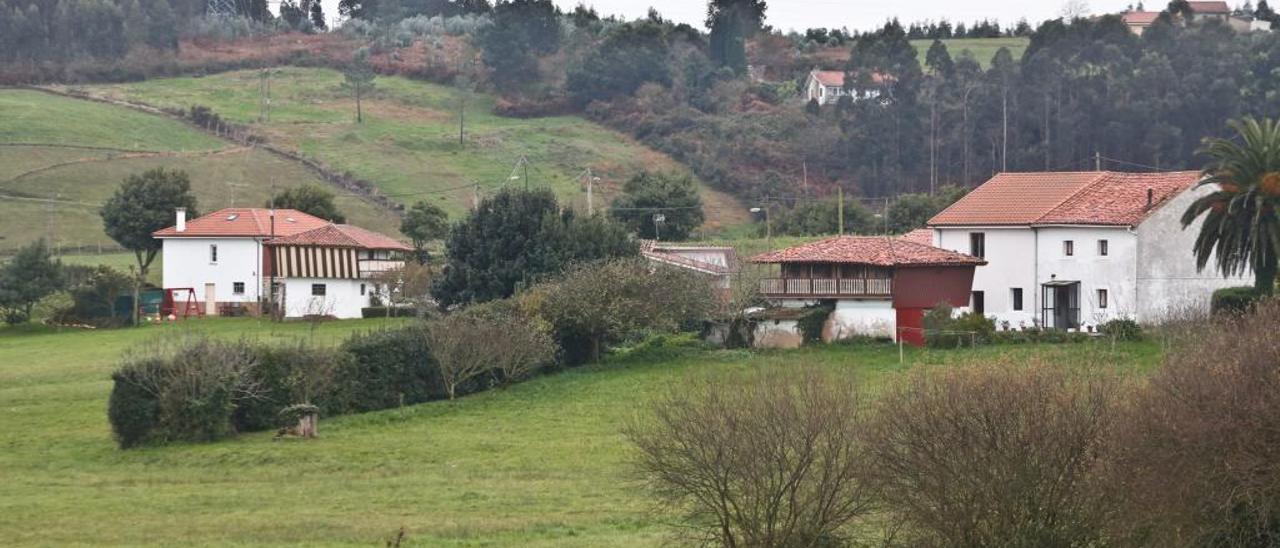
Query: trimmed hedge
{"points": [[1121, 329], [387, 369], [1234, 300], [382, 312]]}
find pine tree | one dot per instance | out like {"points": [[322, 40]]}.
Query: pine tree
{"points": [[317, 16]]}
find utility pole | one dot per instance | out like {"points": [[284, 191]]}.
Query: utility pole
{"points": [[264, 96], [804, 169], [591, 180], [525, 160], [840, 208], [475, 197], [1097, 161]]}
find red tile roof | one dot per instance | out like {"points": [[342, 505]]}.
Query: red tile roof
{"points": [[1209, 7], [244, 222], [1143, 18], [919, 236], [1082, 197], [869, 250], [836, 77], [334, 235]]}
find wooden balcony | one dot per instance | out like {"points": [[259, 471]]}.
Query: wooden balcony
{"points": [[826, 288]]}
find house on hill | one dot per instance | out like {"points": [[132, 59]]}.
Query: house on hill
{"points": [[878, 286], [827, 86], [237, 260], [714, 261], [1138, 21], [1071, 250]]}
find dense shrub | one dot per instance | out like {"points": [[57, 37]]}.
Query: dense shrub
{"points": [[181, 389], [945, 330], [1121, 329], [1198, 457], [993, 456], [286, 375], [772, 461], [1233, 300], [1033, 336], [387, 368], [814, 318]]}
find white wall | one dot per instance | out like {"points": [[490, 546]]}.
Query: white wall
{"points": [[1010, 256], [872, 318], [342, 298], [1166, 270], [1115, 272], [187, 264]]}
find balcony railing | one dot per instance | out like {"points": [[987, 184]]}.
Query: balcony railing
{"points": [[827, 287], [370, 268]]}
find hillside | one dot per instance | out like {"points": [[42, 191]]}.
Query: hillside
{"points": [[408, 144], [60, 158]]}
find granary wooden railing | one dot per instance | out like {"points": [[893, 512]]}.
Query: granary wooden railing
{"points": [[827, 287]]}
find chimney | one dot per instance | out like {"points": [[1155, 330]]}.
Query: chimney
{"points": [[182, 220], [1151, 197]]}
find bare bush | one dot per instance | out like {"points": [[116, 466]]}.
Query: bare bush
{"points": [[471, 343], [521, 342], [993, 456], [1197, 460], [768, 461]]}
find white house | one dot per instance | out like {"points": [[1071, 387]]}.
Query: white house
{"points": [[1072, 250], [233, 258], [715, 261], [827, 86]]}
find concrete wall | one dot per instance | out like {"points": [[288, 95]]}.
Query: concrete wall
{"points": [[1167, 279], [342, 298], [1115, 272], [187, 264], [1010, 256], [778, 334]]}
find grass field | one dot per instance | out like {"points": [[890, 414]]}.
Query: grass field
{"points": [[408, 144], [60, 158], [982, 49], [539, 464]]}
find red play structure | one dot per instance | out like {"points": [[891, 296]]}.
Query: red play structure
{"points": [[173, 305]]}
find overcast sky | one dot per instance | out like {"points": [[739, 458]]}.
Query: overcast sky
{"points": [[861, 14]]}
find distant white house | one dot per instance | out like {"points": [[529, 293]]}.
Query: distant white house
{"points": [[1072, 250], [715, 261], [827, 86], [240, 259]]}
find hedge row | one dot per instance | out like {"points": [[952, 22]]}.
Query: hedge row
{"points": [[202, 389]]}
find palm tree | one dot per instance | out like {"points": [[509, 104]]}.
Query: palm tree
{"points": [[1241, 230]]}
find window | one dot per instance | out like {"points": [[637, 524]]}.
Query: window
{"points": [[1016, 297], [361, 290], [213, 253], [237, 288], [978, 244], [317, 290], [979, 305], [1102, 298], [1102, 248], [1068, 248]]}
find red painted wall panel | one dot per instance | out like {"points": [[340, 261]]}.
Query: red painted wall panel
{"points": [[911, 326], [925, 287]]}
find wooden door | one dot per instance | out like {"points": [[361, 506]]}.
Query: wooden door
{"points": [[210, 300]]}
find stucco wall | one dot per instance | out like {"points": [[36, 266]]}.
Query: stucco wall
{"points": [[186, 264], [342, 298], [1166, 272], [1010, 260], [1114, 272], [778, 334], [867, 318]]}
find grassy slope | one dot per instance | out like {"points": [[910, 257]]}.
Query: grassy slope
{"points": [[408, 144], [982, 49], [540, 464], [48, 167]]}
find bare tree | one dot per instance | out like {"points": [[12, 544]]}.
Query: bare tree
{"points": [[1197, 458], [772, 460], [993, 456], [461, 346]]}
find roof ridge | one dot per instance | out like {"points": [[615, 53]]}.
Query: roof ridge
{"points": [[1099, 179]]}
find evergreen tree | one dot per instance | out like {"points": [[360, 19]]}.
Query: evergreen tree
{"points": [[317, 16], [731, 23], [424, 222], [516, 238], [29, 276], [648, 195], [309, 199], [358, 79], [630, 56], [522, 30]]}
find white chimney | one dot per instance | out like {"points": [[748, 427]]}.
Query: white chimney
{"points": [[182, 219]]}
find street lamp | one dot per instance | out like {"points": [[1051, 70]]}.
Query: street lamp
{"points": [[768, 224]]}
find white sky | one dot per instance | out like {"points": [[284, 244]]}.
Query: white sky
{"points": [[863, 14]]}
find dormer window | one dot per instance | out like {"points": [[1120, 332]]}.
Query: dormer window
{"points": [[233, 216]]}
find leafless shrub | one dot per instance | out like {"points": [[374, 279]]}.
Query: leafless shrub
{"points": [[470, 343], [992, 456], [768, 461], [521, 342], [1197, 460], [460, 345]]}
